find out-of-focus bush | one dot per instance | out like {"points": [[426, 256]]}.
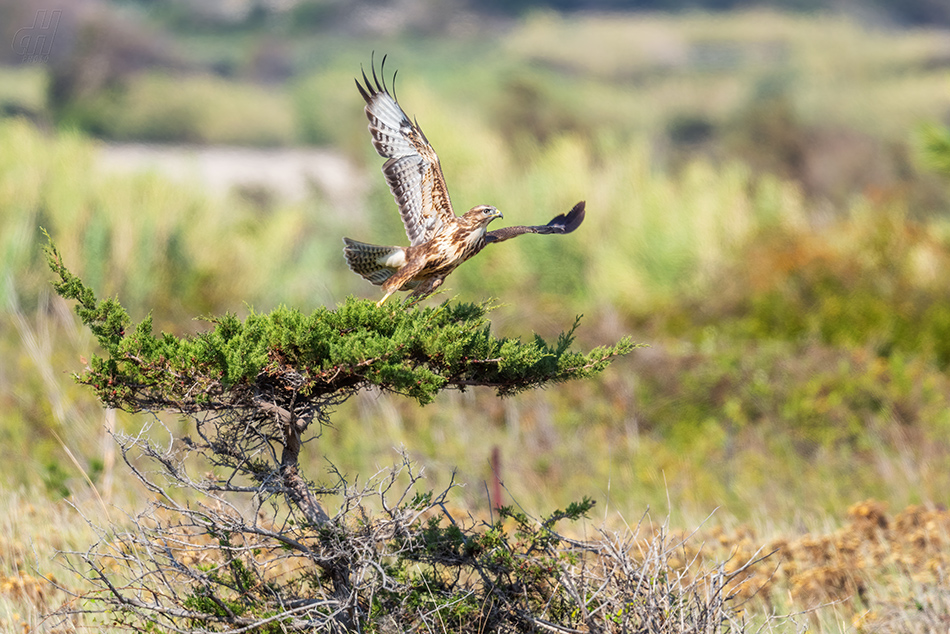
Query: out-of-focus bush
{"points": [[329, 111], [876, 281], [934, 140], [821, 396], [186, 109], [95, 49]]}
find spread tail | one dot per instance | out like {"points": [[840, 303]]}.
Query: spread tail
{"points": [[375, 263]]}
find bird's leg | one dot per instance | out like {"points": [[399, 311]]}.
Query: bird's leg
{"points": [[426, 289], [436, 283], [391, 285], [402, 277]]}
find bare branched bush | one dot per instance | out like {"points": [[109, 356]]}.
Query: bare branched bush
{"points": [[220, 549]]}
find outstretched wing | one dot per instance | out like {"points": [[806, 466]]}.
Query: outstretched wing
{"points": [[413, 170], [564, 223]]}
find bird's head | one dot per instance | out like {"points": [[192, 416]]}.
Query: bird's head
{"points": [[483, 214]]}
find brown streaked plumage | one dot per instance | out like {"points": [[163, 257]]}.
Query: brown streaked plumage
{"points": [[438, 239]]}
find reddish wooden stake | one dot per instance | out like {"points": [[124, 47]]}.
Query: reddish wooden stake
{"points": [[496, 499]]}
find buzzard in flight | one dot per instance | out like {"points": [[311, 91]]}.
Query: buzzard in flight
{"points": [[439, 240]]}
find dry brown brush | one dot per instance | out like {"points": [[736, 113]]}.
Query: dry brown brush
{"points": [[213, 553]]}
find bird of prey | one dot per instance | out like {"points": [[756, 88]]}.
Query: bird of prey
{"points": [[439, 240]]}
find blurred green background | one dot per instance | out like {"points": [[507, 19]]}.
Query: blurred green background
{"points": [[767, 184]]}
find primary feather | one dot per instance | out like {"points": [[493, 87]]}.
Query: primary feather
{"points": [[412, 170]]}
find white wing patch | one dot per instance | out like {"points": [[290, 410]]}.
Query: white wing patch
{"points": [[394, 260]]}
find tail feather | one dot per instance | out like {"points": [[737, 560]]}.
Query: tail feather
{"points": [[374, 262]]}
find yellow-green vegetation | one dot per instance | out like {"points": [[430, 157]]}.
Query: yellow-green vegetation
{"points": [[839, 71], [161, 108], [22, 89], [760, 211]]}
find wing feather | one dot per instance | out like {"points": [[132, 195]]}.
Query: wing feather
{"points": [[562, 223], [412, 169]]}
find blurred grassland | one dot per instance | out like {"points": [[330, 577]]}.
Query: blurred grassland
{"points": [[798, 345], [841, 72], [610, 76]]}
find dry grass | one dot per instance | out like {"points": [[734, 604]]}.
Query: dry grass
{"points": [[878, 572], [32, 531]]}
